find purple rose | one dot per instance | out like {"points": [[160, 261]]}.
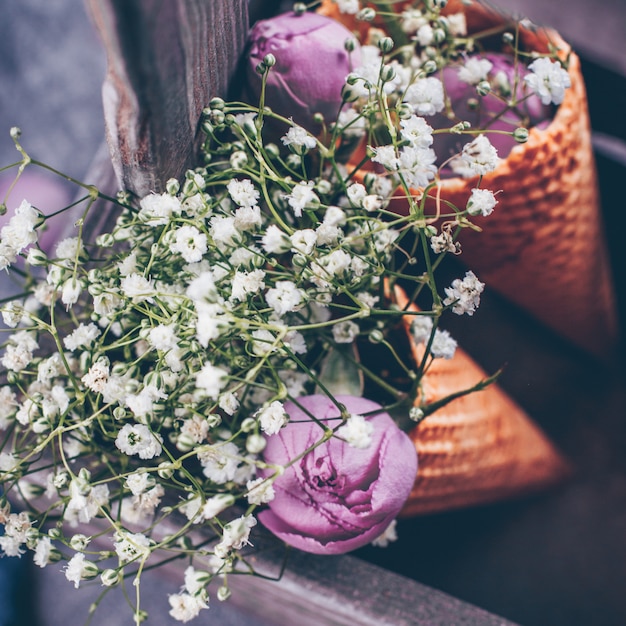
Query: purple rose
{"points": [[311, 64], [337, 498], [460, 91]]}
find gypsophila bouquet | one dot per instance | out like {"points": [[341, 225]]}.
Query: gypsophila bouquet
{"points": [[235, 349]]}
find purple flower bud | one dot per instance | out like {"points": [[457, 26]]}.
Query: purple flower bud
{"points": [[337, 498], [311, 65], [462, 95]]}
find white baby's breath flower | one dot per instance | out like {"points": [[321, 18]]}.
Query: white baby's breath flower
{"points": [[457, 24], [139, 482], [137, 288], [186, 607], [299, 138], [475, 70], [443, 345], [163, 337], [248, 218], [302, 197], [272, 418], [8, 406], [236, 535], [304, 241], [357, 432], [350, 7], [190, 243], [82, 336], [247, 283], [224, 231], [211, 380], [389, 535], [351, 122], [97, 376], [131, 546], [418, 165], [481, 202], [464, 295], [143, 403], [356, 192], [548, 80], [220, 462], [43, 552], [75, 569], [215, 505], [140, 440], [416, 131], [386, 156], [345, 332], [228, 403], [70, 292], [478, 158], [69, 248], [263, 342], [421, 328], [275, 241], [285, 297], [260, 491], [157, 210], [425, 35], [426, 96], [243, 192]]}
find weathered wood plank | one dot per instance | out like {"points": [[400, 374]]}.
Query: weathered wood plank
{"points": [[166, 59]]}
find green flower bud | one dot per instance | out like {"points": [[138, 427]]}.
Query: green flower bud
{"points": [[217, 103], [508, 38], [172, 186], [386, 44], [387, 73], [90, 570], [299, 8], [520, 134], [111, 577], [376, 336], [366, 15], [430, 66], [223, 593], [165, 470], [483, 88], [255, 443], [248, 425], [79, 542], [217, 117]]}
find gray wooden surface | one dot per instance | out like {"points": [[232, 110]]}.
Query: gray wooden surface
{"points": [[165, 61]]}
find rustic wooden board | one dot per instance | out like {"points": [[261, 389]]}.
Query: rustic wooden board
{"points": [[166, 59]]}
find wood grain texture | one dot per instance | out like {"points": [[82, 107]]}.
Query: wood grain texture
{"points": [[166, 60]]}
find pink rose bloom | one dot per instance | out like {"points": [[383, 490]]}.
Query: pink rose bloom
{"points": [[311, 64], [337, 498], [490, 106]]}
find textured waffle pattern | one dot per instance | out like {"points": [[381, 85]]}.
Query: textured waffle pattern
{"points": [[478, 448]]}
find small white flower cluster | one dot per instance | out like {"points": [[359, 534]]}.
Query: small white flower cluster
{"points": [[19, 233], [549, 80], [154, 364]]}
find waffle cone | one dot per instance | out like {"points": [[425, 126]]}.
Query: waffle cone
{"points": [[543, 248], [478, 448]]}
